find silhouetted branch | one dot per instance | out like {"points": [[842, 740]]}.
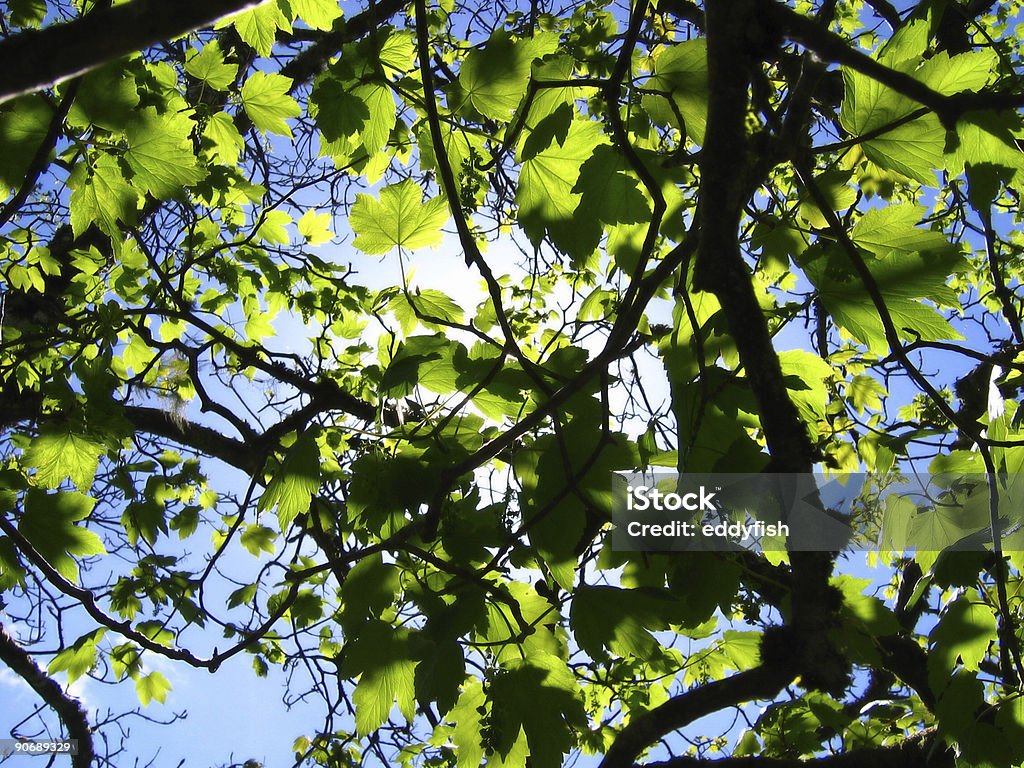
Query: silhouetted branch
{"points": [[68, 709], [35, 59]]}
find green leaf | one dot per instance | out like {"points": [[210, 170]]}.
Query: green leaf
{"points": [[903, 279], [620, 619], [682, 70], [150, 687], [49, 525], [440, 679], [339, 112], [893, 228], [399, 218], [103, 197], [430, 307], [11, 572], [494, 78], [965, 631], [704, 583], [836, 190], [292, 487], [870, 611], [369, 590], [107, 97], [969, 71], [315, 227], [58, 454], [242, 596], [540, 695], [318, 14], [381, 656], [957, 707], [258, 26], [382, 485], [160, 153], [24, 124], [267, 103], [546, 197], [271, 228], [78, 658], [907, 44], [27, 13], [988, 139], [806, 375], [306, 609], [914, 148], [468, 716], [222, 134], [126, 661], [258, 538], [398, 51], [403, 372], [145, 518], [381, 115], [912, 319], [208, 65], [865, 392], [609, 190]]}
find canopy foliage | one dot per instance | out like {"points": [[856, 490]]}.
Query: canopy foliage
{"points": [[246, 413]]}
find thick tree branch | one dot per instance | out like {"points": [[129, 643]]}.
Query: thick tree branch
{"points": [[831, 47], [68, 709], [763, 682], [924, 751], [730, 171], [36, 59], [314, 59], [202, 439], [725, 186]]}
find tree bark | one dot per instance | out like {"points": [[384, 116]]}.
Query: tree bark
{"points": [[36, 59]]}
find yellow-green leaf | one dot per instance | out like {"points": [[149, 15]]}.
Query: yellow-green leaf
{"points": [[399, 218]]}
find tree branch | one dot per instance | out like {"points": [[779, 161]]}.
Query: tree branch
{"points": [[831, 47], [199, 438], [68, 709], [762, 682], [730, 170], [315, 58], [40, 159], [925, 751], [36, 59], [88, 601]]}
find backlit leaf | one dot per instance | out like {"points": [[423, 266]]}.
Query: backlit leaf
{"points": [[267, 103], [495, 77], [49, 525], [23, 125], [59, 454], [160, 153], [380, 655], [292, 487], [208, 65], [546, 197], [102, 197], [399, 218], [318, 14], [153, 686], [79, 658]]}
